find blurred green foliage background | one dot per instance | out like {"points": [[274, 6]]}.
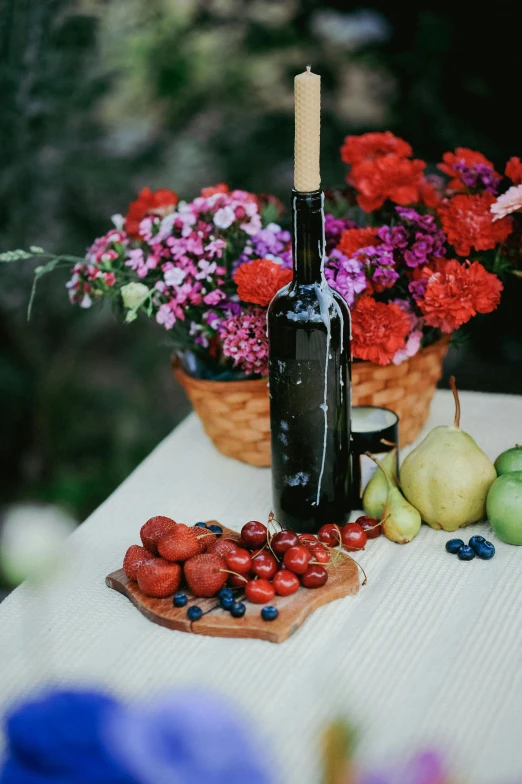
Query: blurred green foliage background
{"points": [[99, 98]]}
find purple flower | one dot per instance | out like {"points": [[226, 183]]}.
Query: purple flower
{"points": [[479, 175], [345, 275], [333, 229], [424, 768], [272, 242], [188, 736]]}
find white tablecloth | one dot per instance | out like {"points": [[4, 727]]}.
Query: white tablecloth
{"points": [[429, 651]]}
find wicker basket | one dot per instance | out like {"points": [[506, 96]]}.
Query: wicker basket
{"points": [[236, 414]]}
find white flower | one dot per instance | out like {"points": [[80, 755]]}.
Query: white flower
{"points": [[224, 217], [86, 301], [133, 294], [118, 221], [174, 277], [508, 202], [31, 541]]}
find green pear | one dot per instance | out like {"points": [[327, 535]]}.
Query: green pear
{"points": [[376, 491], [510, 460], [504, 507], [401, 522], [447, 477]]}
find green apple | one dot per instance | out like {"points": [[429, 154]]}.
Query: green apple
{"points": [[510, 460], [504, 507]]}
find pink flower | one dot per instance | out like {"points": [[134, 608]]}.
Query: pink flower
{"points": [[508, 202], [166, 316], [214, 298], [413, 342], [245, 341], [109, 278], [215, 248]]}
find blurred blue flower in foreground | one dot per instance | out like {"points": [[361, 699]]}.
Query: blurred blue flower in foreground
{"points": [[80, 737], [195, 735], [59, 737]]}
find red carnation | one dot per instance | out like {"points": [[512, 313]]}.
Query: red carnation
{"points": [[458, 293], [463, 156], [468, 223], [372, 145], [378, 330], [258, 281], [221, 187], [387, 177], [160, 203], [353, 240], [514, 170]]}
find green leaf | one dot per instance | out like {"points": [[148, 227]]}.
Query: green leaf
{"points": [[36, 249]]}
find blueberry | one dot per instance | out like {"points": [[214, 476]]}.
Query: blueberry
{"points": [[194, 613], [180, 600], [475, 542], [225, 592], [216, 529], [226, 602], [237, 610], [454, 545], [201, 525], [466, 553], [485, 550], [269, 613]]}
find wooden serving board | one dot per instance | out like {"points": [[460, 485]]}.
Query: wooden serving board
{"points": [[343, 580]]}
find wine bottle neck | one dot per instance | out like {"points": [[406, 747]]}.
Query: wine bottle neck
{"points": [[308, 236]]}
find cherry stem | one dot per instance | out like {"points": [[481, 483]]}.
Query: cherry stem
{"points": [[454, 389], [236, 574], [360, 567]]}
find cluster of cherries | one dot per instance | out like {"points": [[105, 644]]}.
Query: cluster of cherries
{"points": [[266, 565]]}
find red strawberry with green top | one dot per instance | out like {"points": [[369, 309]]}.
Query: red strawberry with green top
{"points": [[180, 544], [204, 574], [134, 557], [154, 529], [159, 578], [222, 547]]}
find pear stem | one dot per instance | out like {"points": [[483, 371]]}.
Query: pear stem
{"points": [[454, 389], [376, 460]]}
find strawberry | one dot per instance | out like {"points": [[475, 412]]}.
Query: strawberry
{"points": [[204, 574], [153, 530], [159, 578], [134, 557], [205, 538], [180, 544], [222, 547]]}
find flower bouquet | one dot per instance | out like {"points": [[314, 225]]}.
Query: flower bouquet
{"points": [[415, 256]]}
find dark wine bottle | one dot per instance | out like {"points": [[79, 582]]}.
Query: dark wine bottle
{"points": [[309, 383]]}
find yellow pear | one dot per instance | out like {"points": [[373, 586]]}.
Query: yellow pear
{"points": [[401, 521], [376, 491], [447, 477]]}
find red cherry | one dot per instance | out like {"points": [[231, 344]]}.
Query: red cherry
{"points": [[320, 553], [296, 559], [239, 560], [236, 581], [254, 534], [264, 565], [353, 536], [308, 540], [315, 576], [285, 582], [329, 534], [283, 540], [259, 591], [370, 525]]}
